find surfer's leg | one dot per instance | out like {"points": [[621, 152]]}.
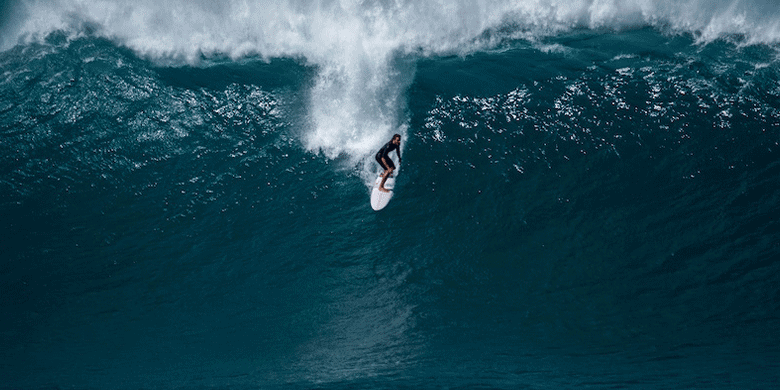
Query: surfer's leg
{"points": [[385, 175], [378, 159], [390, 167]]}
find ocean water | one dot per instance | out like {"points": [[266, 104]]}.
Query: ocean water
{"points": [[589, 196]]}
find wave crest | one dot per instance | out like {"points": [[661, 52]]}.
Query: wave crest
{"points": [[356, 102]]}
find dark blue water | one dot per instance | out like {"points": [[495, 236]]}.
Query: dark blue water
{"points": [[589, 198]]}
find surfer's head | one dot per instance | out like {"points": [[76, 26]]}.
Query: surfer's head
{"points": [[397, 139]]}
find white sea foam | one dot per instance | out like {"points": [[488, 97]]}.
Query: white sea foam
{"points": [[356, 103]]}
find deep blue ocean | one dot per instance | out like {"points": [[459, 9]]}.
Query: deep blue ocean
{"points": [[589, 196]]}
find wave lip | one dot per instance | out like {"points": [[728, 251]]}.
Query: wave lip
{"points": [[186, 30]]}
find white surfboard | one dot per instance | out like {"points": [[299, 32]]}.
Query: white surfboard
{"points": [[380, 199]]}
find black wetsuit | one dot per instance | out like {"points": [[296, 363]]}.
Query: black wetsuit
{"points": [[385, 152]]}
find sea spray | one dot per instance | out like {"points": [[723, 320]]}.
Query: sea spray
{"points": [[320, 31]]}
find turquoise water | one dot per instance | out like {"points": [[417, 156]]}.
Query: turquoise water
{"points": [[589, 196]]}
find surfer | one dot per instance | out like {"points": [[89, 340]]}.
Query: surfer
{"points": [[383, 158]]}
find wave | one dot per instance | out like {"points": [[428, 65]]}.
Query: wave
{"points": [[364, 50]]}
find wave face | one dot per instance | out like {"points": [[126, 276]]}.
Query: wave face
{"points": [[589, 195]]}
